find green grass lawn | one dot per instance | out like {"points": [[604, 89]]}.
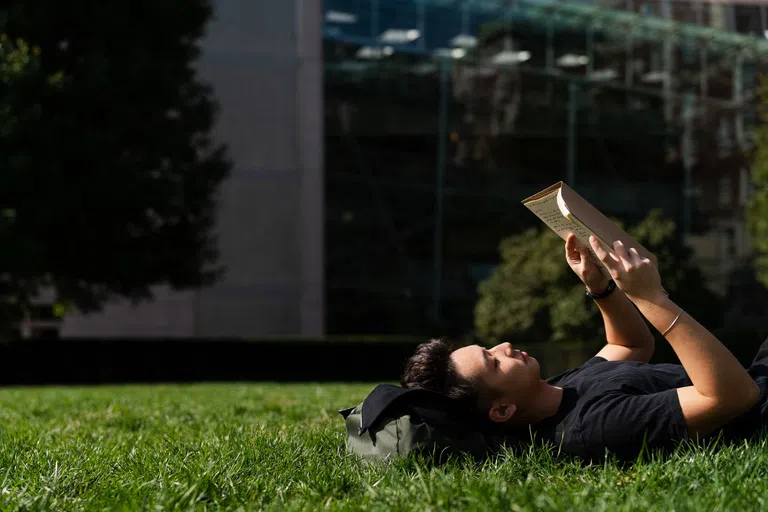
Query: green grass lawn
{"points": [[252, 447]]}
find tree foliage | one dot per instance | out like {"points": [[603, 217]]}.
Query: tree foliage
{"points": [[533, 294], [757, 209], [108, 174]]}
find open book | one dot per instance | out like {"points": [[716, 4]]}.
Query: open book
{"points": [[565, 211]]}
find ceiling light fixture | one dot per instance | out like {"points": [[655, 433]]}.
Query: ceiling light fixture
{"points": [[454, 53], [374, 52], [464, 41], [603, 75], [340, 17], [399, 36], [570, 60], [507, 57]]}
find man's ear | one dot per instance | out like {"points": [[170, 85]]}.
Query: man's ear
{"points": [[501, 413]]}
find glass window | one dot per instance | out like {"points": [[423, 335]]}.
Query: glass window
{"points": [[442, 116]]}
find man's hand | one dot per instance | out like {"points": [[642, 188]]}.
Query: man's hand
{"points": [[582, 262], [627, 336], [634, 275]]}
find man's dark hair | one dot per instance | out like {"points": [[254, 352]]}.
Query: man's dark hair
{"points": [[431, 368]]}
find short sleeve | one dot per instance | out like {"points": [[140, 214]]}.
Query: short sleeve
{"points": [[623, 423], [593, 361]]}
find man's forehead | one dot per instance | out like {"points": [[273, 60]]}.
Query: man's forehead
{"points": [[470, 351], [469, 360]]}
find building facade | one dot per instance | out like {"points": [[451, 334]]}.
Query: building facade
{"points": [[442, 116], [264, 61], [382, 148]]}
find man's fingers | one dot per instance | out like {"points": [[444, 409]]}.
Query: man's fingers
{"points": [[571, 251], [621, 252], [635, 256], [573, 242], [584, 251], [602, 254]]}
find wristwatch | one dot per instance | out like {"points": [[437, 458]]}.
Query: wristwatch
{"points": [[607, 292]]}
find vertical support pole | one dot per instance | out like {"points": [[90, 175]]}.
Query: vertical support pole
{"points": [[550, 45], [716, 12], [730, 14], [550, 59], [667, 63], [738, 99], [666, 12], [629, 63], [764, 19], [442, 136], [667, 67], [688, 159], [465, 18], [590, 50], [704, 76], [699, 6], [509, 20], [550, 64], [422, 26], [374, 21], [573, 98]]}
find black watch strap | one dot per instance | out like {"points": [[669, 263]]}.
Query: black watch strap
{"points": [[607, 292]]}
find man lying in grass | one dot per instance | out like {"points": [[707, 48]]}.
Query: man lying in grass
{"points": [[615, 401]]}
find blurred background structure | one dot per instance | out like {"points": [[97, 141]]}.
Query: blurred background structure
{"points": [[442, 116], [381, 149]]}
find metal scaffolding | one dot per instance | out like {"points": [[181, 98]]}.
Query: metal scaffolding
{"points": [[690, 70]]}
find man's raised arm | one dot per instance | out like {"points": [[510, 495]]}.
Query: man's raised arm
{"points": [[722, 389], [626, 333]]}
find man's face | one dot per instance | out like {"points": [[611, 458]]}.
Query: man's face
{"points": [[511, 375]]}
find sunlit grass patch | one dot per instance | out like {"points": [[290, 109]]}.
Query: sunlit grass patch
{"points": [[269, 446]]}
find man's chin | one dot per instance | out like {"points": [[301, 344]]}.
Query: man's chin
{"points": [[534, 363]]}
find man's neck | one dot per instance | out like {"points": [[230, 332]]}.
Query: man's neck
{"points": [[544, 403]]}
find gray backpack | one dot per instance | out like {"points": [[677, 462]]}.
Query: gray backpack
{"points": [[395, 422]]}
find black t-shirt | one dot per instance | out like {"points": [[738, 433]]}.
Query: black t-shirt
{"points": [[621, 406]]}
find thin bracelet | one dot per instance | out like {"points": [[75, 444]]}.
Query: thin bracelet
{"points": [[673, 323]]}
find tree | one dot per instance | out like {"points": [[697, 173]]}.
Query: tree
{"points": [[108, 174], [533, 295], [757, 209]]}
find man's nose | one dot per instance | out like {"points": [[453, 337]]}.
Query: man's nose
{"points": [[504, 348]]}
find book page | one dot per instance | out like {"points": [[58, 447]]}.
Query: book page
{"points": [[548, 211], [552, 204], [583, 233], [579, 210]]}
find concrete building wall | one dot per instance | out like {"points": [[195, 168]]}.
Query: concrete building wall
{"points": [[264, 60]]}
